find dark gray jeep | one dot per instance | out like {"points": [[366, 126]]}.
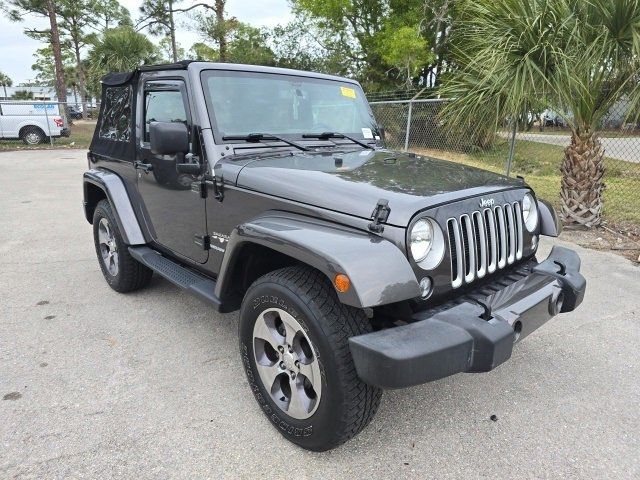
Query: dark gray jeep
{"points": [[355, 268]]}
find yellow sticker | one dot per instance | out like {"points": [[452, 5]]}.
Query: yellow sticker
{"points": [[348, 92]]}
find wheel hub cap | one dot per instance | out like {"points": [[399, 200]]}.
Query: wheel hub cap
{"points": [[289, 361]]}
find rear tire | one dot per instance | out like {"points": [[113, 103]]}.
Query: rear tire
{"points": [[32, 136], [297, 307], [122, 272]]}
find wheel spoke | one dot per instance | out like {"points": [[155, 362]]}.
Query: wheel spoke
{"points": [[268, 374], [102, 235], [290, 330], [311, 371], [107, 228], [266, 332], [300, 403]]}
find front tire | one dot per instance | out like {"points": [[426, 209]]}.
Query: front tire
{"points": [[294, 336], [122, 272]]}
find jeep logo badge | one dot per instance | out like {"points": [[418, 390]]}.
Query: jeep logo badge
{"points": [[486, 202]]}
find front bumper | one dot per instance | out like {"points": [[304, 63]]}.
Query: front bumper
{"points": [[475, 335]]}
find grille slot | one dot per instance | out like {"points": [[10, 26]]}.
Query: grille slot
{"points": [[484, 241], [455, 246]]}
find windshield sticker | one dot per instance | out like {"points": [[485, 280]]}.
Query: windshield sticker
{"points": [[348, 92], [367, 133]]}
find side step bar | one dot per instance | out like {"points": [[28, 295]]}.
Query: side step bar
{"points": [[199, 285]]}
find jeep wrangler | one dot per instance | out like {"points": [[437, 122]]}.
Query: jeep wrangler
{"points": [[355, 268]]}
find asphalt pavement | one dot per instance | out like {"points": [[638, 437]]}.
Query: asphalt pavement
{"points": [[149, 385]]}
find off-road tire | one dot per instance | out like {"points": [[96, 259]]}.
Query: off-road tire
{"points": [[131, 275], [346, 404]]}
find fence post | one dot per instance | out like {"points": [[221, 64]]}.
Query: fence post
{"points": [[46, 114], [406, 135], [512, 146]]}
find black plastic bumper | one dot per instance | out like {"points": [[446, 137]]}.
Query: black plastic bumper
{"points": [[459, 338], [65, 132]]}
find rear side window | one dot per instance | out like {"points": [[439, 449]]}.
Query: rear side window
{"points": [[116, 114]]}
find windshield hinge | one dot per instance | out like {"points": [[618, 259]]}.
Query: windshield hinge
{"points": [[202, 187], [217, 184], [379, 216]]}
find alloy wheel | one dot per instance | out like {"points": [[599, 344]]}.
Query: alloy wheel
{"points": [[108, 246], [286, 363]]}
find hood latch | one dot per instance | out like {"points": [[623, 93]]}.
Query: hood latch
{"points": [[379, 216]]}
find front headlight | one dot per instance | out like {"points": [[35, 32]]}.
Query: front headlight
{"points": [[420, 240], [426, 243], [529, 213]]}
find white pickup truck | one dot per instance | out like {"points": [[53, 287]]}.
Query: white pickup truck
{"points": [[32, 122]]}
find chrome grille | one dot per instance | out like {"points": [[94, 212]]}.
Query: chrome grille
{"points": [[484, 241]]}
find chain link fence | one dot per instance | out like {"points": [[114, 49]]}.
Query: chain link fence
{"points": [[37, 123], [533, 149]]}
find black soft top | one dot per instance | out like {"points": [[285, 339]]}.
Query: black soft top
{"points": [[121, 78]]}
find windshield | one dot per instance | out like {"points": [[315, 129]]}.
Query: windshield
{"points": [[241, 103]]}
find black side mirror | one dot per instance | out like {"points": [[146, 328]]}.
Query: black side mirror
{"points": [[168, 138]]}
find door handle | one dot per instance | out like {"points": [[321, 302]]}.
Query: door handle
{"points": [[145, 167]]}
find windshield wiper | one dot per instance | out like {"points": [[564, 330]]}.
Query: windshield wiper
{"points": [[258, 137], [328, 135]]}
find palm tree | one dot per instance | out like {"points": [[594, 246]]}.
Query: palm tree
{"points": [[5, 81], [120, 49], [576, 57]]}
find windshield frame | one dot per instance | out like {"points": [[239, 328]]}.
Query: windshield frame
{"points": [[205, 74]]}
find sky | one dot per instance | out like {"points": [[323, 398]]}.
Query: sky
{"points": [[16, 49]]}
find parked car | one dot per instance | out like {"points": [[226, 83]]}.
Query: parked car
{"points": [[355, 268], [33, 122], [549, 118], [75, 112]]}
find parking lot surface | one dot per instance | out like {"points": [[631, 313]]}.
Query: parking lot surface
{"points": [[95, 384]]}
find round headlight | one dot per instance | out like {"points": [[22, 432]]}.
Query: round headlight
{"points": [[529, 213], [420, 240]]}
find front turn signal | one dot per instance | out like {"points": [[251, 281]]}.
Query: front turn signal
{"points": [[341, 282]]}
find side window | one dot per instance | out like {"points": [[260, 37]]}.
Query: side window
{"points": [[163, 106], [116, 114]]}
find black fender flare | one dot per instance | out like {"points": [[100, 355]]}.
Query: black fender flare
{"points": [[379, 271], [113, 187], [550, 223]]}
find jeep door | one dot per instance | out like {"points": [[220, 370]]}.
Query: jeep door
{"points": [[175, 214]]}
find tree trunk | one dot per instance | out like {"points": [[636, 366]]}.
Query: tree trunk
{"points": [[61, 89], [172, 33], [4, 87], [222, 30], [81, 80], [582, 180]]}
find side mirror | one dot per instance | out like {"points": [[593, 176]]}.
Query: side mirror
{"points": [[167, 138]]}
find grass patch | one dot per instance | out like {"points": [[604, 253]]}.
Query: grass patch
{"points": [[539, 164], [81, 133]]}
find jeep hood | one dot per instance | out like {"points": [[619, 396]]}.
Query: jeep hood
{"points": [[353, 182]]}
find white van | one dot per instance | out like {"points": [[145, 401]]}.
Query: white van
{"points": [[32, 122]]}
